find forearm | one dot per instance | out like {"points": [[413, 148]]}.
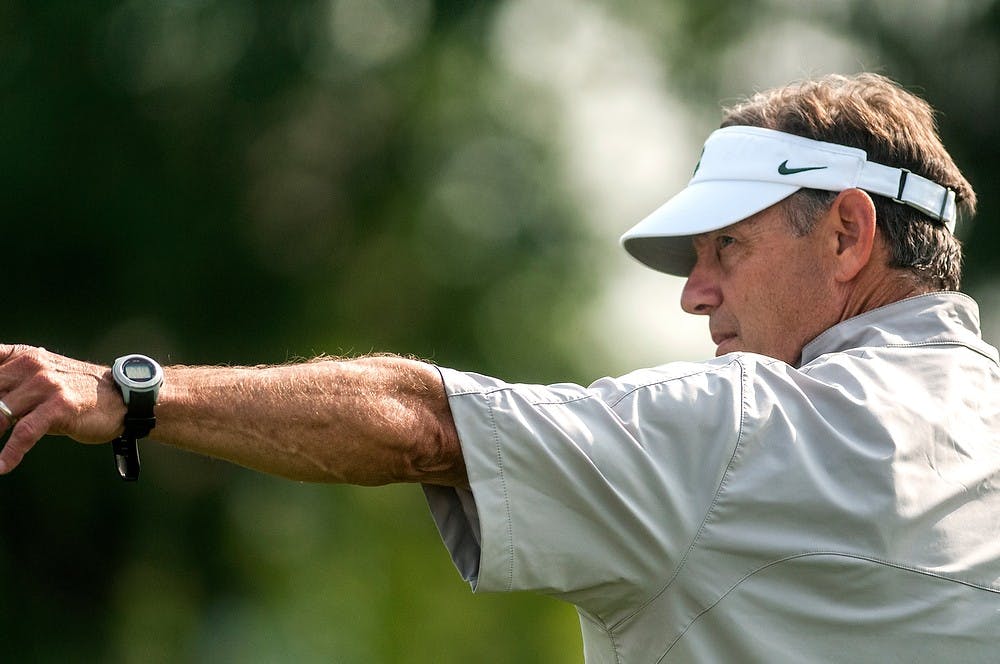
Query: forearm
{"points": [[372, 420]]}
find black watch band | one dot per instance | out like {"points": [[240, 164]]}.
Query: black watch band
{"points": [[140, 420]]}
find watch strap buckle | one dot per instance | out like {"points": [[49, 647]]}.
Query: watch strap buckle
{"points": [[126, 457]]}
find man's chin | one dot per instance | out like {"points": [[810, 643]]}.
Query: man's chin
{"points": [[730, 345], [735, 345]]}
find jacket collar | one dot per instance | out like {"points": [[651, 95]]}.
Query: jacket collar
{"points": [[944, 317]]}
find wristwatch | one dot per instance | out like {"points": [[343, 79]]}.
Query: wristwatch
{"points": [[139, 378]]}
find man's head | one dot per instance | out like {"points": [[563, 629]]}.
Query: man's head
{"points": [[893, 127], [813, 203]]}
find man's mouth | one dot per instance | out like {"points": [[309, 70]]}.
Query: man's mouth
{"points": [[718, 336]]}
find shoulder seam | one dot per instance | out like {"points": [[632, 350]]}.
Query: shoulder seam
{"points": [[704, 370]]}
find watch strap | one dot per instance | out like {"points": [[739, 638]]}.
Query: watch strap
{"points": [[126, 457], [139, 417]]}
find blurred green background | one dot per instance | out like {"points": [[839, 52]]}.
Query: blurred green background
{"points": [[237, 182]]}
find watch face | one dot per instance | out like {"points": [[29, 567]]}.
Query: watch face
{"points": [[138, 369], [137, 373]]}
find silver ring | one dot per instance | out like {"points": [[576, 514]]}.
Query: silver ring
{"points": [[7, 412]]}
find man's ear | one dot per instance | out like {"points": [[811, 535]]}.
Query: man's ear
{"points": [[852, 216]]}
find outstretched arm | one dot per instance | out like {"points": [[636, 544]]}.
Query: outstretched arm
{"points": [[372, 420]]}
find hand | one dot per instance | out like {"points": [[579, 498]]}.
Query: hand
{"points": [[52, 394]]}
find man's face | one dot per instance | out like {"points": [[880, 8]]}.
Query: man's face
{"points": [[764, 289]]}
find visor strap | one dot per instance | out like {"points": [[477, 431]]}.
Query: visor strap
{"points": [[905, 187]]}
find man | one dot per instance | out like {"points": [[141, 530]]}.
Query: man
{"points": [[826, 489]]}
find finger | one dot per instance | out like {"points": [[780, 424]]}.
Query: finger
{"points": [[20, 401], [7, 416], [23, 437], [31, 420]]}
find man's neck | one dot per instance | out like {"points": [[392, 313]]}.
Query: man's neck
{"points": [[878, 287]]}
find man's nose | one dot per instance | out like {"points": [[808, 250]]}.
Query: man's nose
{"points": [[701, 294]]}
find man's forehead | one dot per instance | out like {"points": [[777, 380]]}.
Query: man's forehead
{"points": [[751, 223]]}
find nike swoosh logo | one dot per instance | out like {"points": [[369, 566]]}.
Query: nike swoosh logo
{"points": [[783, 169]]}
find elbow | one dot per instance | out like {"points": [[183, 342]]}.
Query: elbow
{"points": [[437, 457]]}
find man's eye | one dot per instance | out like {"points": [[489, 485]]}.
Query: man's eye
{"points": [[723, 241]]}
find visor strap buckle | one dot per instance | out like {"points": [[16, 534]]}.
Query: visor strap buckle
{"points": [[903, 172], [944, 205]]}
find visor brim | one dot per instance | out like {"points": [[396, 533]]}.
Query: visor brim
{"points": [[662, 240]]}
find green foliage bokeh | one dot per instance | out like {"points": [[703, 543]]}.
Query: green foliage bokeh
{"points": [[223, 181]]}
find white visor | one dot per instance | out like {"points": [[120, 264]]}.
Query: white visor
{"points": [[744, 170]]}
